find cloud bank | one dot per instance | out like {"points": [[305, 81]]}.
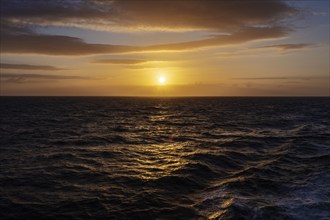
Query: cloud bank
{"points": [[18, 77], [179, 14], [28, 67], [286, 47], [64, 45], [233, 22]]}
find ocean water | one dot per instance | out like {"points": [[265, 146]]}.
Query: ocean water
{"points": [[164, 158]]}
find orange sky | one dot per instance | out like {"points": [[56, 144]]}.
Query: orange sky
{"points": [[198, 47]]}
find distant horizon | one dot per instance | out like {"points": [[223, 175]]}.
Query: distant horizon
{"points": [[326, 96]]}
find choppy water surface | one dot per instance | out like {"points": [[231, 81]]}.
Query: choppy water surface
{"points": [[164, 158]]}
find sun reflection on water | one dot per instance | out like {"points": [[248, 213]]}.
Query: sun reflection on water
{"points": [[147, 162], [161, 160]]}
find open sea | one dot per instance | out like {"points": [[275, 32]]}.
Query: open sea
{"points": [[164, 158]]}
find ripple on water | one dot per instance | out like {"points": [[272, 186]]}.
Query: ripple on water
{"points": [[164, 158]]}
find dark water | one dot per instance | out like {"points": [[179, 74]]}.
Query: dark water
{"points": [[164, 158]]}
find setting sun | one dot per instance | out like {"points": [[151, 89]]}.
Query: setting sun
{"points": [[162, 80]]}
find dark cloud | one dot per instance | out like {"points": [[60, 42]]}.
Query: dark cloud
{"points": [[63, 45], [201, 14], [196, 14], [120, 61], [55, 45], [39, 12], [18, 77], [286, 46], [241, 21], [28, 67]]}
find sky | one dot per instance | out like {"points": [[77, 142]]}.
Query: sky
{"points": [[164, 48]]}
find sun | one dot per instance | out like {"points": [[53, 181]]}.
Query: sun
{"points": [[162, 80]]}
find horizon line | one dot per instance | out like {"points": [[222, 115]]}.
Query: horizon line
{"points": [[151, 96]]}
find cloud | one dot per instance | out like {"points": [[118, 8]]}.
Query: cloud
{"points": [[19, 78], [55, 45], [241, 36], [286, 46], [120, 61], [282, 78], [179, 14], [200, 14], [141, 67], [28, 67], [320, 13], [64, 45], [233, 22]]}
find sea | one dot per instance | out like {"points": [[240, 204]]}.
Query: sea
{"points": [[165, 158]]}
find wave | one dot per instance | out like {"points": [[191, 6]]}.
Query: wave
{"points": [[184, 158]]}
